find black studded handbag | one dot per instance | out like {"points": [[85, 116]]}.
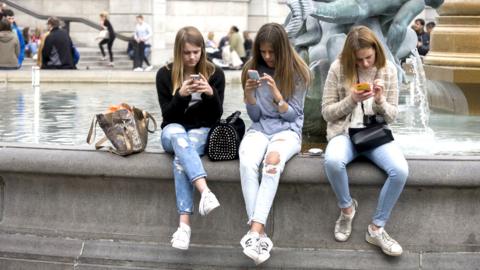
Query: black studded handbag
{"points": [[224, 138]]}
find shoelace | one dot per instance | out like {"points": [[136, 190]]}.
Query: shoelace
{"points": [[178, 235], [343, 222], [249, 242], [389, 241], [263, 246], [208, 198]]}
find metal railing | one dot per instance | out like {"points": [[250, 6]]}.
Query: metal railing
{"points": [[67, 20]]}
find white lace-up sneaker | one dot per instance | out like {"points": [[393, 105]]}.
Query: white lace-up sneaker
{"points": [[265, 245], [208, 202], [249, 242], [149, 68], [181, 238], [343, 225], [381, 239]]}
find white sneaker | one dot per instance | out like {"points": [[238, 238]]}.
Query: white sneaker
{"points": [[249, 242], [343, 225], [181, 238], [381, 239], [208, 202], [111, 64], [265, 245], [138, 69], [103, 58], [149, 68]]}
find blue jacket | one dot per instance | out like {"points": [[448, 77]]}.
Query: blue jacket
{"points": [[21, 55]]}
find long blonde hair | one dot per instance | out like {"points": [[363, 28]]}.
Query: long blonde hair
{"points": [[287, 62], [189, 34], [360, 37]]}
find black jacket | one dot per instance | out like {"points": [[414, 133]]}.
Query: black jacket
{"points": [[57, 52], [111, 32], [175, 107]]}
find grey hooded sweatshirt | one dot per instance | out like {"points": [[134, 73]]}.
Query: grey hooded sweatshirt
{"points": [[10, 49]]}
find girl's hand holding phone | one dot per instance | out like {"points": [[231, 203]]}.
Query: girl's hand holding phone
{"points": [[186, 89], [273, 87], [253, 81], [361, 91], [201, 85], [378, 89]]}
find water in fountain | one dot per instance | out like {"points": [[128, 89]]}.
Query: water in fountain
{"points": [[415, 107], [413, 118]]}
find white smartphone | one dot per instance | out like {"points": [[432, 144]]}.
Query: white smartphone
{"points": [[195, 77], [253, 74], [315, 151]]}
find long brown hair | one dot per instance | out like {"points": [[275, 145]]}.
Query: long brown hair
{"points": [[360, 37], [287, 62], [189, 34]]}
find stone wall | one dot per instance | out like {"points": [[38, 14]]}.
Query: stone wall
{"points": [[94, 210]]}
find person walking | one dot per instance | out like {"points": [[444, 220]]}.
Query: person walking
{"points": [[343, 107], [274, 101], [107, 26], [143, 33], [190, 92]]}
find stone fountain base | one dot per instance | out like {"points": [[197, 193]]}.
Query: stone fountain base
{"points": [[77, 209]]}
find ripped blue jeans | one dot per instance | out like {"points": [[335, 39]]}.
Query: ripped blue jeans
{"points": [[187, 146], [260, 186]]}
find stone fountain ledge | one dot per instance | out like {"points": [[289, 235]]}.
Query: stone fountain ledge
{"points": [[93, 76], [75, 208]]}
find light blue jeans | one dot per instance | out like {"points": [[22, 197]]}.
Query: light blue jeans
{"points": [[388, 157], [187, 146], [253, 152]]}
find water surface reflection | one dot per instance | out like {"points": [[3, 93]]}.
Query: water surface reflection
{"points": [[60, 114]]}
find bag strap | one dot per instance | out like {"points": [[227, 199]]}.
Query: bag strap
{"points": [[92, 132], [99, 145], [234, 117], [358, 81], [149, 116], [110, 149]]}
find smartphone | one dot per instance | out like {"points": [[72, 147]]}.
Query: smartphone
{"points": [[253, 74], [362, 86], [195, 77], [315, 151]]}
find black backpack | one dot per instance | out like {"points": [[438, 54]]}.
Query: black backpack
{"points": [[224, 138]]}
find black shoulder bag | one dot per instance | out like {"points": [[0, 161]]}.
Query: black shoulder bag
{"points": [[374, 134], [224, 138]]}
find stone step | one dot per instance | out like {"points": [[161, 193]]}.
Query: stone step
{"points": [[33, 251], [90, 60]]}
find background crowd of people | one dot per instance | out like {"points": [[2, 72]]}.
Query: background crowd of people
{"points": [[232, 51], [423, 35]]}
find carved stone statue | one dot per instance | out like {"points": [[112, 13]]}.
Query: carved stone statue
{"points": [[318, 30]]}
